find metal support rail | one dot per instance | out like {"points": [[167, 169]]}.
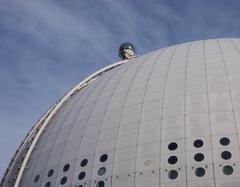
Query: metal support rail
{"points": [[18, 163]]}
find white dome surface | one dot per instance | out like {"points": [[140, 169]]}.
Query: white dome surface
{"points": [[170, 118]]}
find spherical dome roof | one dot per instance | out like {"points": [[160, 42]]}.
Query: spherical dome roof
{"points": [[168, 118]]}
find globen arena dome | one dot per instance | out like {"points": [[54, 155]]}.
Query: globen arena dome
{"points": [[169, 118]]}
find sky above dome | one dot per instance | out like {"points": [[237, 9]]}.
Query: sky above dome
{"points": [[48, 46]]}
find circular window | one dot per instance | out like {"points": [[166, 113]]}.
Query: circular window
{"points": [[172, 160], [199, 157], [36, 178], [173, 174], [172, 146], [66, 167], [103, 158], [102, 171], [50, 173], [227, 170], [48, 184], [224, 141], [81, 175], [84, 162], [198, 143], [147, 163], [100, 184], [63, 180], [200, 172], [226, 155]]}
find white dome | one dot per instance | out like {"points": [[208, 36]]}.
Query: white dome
{"points": [[170, 118]]}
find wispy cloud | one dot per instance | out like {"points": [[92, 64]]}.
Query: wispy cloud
{"points": [[49, 46]]}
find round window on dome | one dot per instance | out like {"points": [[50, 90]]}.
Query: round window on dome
{"points": [[200, 172], [172, 146], [198, 143], [100, 184], [48, 184], [36, 178], [50, 172], [224, 141], [226, 155], [84, 162], [172, 174], [103, 158], [102, 171], [227, 170], [199, 157], [63, 180], [172, 160], [81, 175], [66, 167]]}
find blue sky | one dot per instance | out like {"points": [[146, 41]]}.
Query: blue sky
{"points": [[48, 46]]}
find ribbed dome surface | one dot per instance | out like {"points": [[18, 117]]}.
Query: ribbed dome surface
{"points": [[170, 118]]}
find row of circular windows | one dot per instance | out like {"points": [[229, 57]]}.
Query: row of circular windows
{"points": [[200, 172], [81, 176], [173, 174], [199, 143], [64, 180], [198, 157]]}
